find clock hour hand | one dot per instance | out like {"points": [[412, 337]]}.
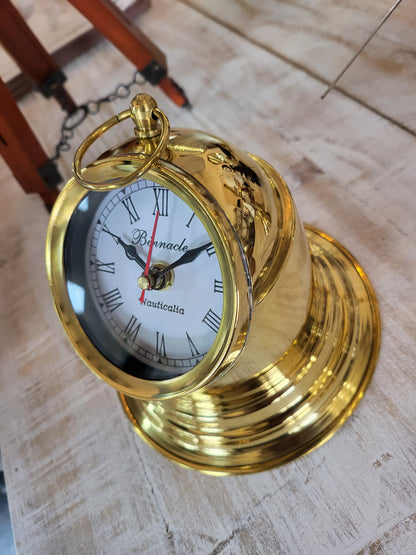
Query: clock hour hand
{"points": [[130, 250], [188, 256]]}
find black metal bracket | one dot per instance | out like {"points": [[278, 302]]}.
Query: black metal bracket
{"points": [[50, 174], [52, 85], [52, 82], [154, 72]]}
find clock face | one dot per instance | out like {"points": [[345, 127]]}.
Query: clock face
{"points": [[144, 279]]}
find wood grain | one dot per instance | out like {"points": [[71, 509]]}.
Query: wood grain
{"points": [[321, 37], [79, 480]]}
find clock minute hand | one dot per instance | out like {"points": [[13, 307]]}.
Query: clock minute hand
{"points": [[130, 250], [188, 256]]}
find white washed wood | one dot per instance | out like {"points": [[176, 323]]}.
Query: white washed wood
{"points": [[322, 37], [84, 482]]}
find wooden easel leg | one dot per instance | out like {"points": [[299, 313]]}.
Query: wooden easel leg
{"points": [[135, 46], [22, 152], [18, 39]]}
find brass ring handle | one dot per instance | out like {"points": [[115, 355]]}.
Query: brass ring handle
{"points": [[116, 183]]}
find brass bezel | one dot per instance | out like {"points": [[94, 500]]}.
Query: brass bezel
{"points": [[235, 321]]}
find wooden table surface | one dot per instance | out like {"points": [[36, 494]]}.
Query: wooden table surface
{"points": [[79, 480]]}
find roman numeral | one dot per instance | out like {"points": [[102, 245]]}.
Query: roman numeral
{"points": [[190, 220], [106, 229], [194, 350], [107, 267], [112, 299], [132, 328], [212, 320], [218, 286], [131, 209], [161, 201], [210, 249], [160, 344]]}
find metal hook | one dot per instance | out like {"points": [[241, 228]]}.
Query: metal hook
{"points": [[116, 183]]}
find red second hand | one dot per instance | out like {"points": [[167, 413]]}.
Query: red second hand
{"points": [[149, 254]]}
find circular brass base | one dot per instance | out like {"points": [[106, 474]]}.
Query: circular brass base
{"points": [[295, 403]]}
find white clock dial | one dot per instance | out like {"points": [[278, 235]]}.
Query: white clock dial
{"points": [[172, 325]]}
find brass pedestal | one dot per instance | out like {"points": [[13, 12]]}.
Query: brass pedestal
{"points": [[293, 404]]}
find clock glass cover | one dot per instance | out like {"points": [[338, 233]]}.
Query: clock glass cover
{"points": [[144, 279]]}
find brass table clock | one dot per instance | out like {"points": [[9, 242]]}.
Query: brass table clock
{"points": [[237, 338]]}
